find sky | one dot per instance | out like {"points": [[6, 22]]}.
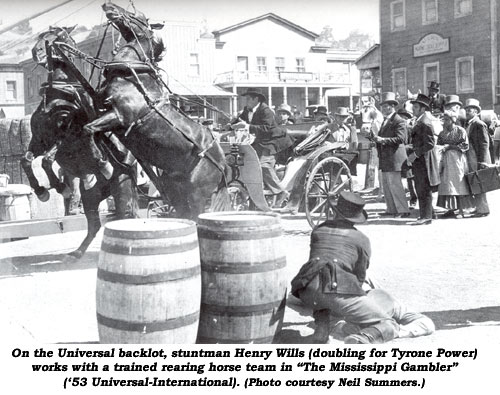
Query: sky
{"points": [[343, 16]]}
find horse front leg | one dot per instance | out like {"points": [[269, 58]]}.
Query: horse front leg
{"points": [[27, 164], [54, 181]]}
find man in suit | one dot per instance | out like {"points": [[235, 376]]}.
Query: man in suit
{"points": [[421, 157], [478, 154], [259, 120], [331, 282], [391, 150], [437, 100]]}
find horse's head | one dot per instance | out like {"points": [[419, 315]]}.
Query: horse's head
{"points": [[54, 34], [135, 29]]}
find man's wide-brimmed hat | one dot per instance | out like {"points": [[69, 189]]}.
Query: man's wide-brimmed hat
{"points": [[405, 113], [452, 99], [434, 85], [254, 92], [284, 108], [472, 103], [350, 206], [342, 111], [321, 110], [389, 98], [422, 100]]}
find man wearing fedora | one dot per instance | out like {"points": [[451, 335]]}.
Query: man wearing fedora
{"points": [[340, 129], [390, 141], [258, 119], [331, 282], [422, 158], [284, 114], [478, 155]]}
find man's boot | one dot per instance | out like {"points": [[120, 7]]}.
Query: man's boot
{"points": [[322, 331]]}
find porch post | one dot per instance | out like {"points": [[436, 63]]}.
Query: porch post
{"points": [[285, 95]]}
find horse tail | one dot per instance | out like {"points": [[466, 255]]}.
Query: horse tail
{"points": [[220, 198]]}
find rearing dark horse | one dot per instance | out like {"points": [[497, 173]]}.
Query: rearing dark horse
{"points": [[56, 127], [139, 112]]}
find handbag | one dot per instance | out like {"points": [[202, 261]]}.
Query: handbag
{"points": [[485, 180]]}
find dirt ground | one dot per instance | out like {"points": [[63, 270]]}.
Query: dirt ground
{"points": [[449, 270]]}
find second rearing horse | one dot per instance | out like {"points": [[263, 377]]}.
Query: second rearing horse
{"points": [[154, 130]]}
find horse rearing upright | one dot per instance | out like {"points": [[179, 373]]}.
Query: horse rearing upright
{"points": [[155, 131], [57, 126]]}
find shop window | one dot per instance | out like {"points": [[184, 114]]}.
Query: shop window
{"points": [[463, 8], [429, 12], [398, 19], [464, 69], [399, 82]]}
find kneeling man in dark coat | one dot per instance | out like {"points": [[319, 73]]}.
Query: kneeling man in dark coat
{"points": [[331, 282]]}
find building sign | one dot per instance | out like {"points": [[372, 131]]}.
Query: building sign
{"points": [[431, 44]]}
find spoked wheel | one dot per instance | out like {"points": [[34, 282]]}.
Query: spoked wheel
{"points": [[239, 197], [326, 180], [158, 209]]}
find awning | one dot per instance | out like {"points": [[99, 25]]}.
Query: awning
{"points": [[198, 89]]}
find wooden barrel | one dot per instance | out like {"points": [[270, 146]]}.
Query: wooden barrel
{"points": [[148, 282], [243, 265]]}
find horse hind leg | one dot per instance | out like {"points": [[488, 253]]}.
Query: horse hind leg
{"points": [[125, 195]]}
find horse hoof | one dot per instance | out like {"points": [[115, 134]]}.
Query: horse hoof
{"points": [[73, 257], [43, 195]]}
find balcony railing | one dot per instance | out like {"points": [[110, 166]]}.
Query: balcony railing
{"points": [[232, 77]]}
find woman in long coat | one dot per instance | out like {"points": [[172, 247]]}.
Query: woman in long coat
{"points": [[453, 191]]}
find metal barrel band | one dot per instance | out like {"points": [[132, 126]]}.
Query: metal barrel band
{"points": [[149, 327], [134, 279]]}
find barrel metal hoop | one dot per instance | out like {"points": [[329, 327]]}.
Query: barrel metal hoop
{"points": [[148, 327], [243, 311], [134, 279], [141, 250], [152, 234], [212, 340], [242, 267], [204, 233]]}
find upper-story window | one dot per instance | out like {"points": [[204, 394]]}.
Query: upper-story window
{"points": [[194, 65], [398, 18], [261, 64], [429, 12], [399, 82], [431, 73], [463, 8], [11, 90], [280, 64], [464, 70], [301, 65]]}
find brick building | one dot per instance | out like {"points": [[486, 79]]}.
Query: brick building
{"points": [[454, 42]]}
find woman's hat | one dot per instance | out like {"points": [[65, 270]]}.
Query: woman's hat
{"points": [[472, 103], [254, 92], [350, 207], [342, 111], [422, 100], [452, 99], [404, 113], [284, 108], [389, 98]]}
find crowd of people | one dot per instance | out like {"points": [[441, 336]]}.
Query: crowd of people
{"points": [[433, 145]]}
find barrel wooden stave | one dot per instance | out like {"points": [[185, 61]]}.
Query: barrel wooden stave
{"points": [[148, 288], [243, 279]]}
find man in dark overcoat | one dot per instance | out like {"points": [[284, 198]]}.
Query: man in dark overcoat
{"points": [[478, 155], [391, 140], [259, 120], [421, 158]]}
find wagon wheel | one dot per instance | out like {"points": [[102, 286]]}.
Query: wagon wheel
{"points": [[157, 209], [239, 197], [328, 178]]}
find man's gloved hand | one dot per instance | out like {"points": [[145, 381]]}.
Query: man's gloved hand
{"points": [[411, 158]]}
